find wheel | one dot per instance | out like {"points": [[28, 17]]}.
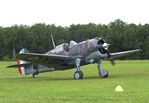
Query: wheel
{"points": [[104, 74], [78, 75]]}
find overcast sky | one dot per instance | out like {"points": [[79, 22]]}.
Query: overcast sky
{"points": [[67, 12]]}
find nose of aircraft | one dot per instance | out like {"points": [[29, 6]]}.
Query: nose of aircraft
{"points": [[103, 48]]}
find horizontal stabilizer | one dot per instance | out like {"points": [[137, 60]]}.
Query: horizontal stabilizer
{"points": [[19, 65]]}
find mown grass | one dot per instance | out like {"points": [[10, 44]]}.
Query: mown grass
{"points": [[59, 87]]}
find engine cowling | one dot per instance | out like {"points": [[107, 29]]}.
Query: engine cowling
{"points": [[103, 46]]}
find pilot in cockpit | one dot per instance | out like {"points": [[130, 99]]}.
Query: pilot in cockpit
{"points": [[66, 46], [69, 46]]}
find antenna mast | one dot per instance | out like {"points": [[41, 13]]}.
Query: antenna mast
{"points": [[52, 40]]}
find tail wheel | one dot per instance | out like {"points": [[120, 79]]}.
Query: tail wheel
{"points": [[78, 75]]}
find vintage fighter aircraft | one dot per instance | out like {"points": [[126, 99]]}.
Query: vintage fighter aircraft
{"points": [[67, 56]]}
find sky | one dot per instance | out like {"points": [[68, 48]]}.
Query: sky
{"points": [[67, 12]]}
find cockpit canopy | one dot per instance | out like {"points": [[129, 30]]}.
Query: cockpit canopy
{"points": [[72, 43], [57, 49], [62, 47]]}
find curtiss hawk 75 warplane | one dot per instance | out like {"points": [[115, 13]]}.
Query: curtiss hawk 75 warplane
{"points": [[67, 56]]}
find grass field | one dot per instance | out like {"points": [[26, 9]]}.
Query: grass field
{"points": [[59, 87]]}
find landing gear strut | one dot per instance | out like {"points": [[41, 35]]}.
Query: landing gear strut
{"points": [[102, 73], [78, 74], [33, 75]]}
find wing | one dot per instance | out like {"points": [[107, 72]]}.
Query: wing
{"points": [[49, 60], [120, 54]]}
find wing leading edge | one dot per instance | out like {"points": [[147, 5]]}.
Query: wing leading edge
{"points": [[119, 54]]}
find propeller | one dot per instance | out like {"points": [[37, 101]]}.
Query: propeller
{"points": [[110, 58], [103, 48]]}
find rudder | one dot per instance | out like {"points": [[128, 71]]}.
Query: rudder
{"points": [[22, 70]]}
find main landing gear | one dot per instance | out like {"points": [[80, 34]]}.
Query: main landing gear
{"points": [[102, 73], [78, 74]]}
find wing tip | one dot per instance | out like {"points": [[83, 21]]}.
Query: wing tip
{"points": [[140, 50]]}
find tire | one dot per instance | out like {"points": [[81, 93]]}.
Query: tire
{"points": [[78, 75], [105, 75]]}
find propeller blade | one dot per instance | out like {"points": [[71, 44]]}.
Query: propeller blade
{"points": [[112, 61], [110, 58]]}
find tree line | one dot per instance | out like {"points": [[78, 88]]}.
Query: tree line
{"points": [[37, 38]]}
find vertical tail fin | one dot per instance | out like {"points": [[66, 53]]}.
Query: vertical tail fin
{"points": [[23, 51], [24, 67], [21, 70]]}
